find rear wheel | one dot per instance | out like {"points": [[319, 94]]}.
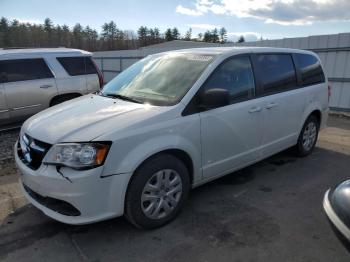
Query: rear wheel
{"points": [[157, 192], [308, 136]]}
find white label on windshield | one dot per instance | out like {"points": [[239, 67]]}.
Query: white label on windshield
{"points": [[199, 58]]}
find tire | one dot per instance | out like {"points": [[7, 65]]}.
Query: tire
{"points": [[141, 203], [60, 99], [309, 133]]}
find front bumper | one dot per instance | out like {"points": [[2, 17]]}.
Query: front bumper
{"points": [[334, 218], [94, 197]]}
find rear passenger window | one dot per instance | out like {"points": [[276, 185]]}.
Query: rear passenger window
{"points": [[236, 76], [311, 70], [23, 69], [77, 65], [73, 65], [90, 67], [277, 72]]}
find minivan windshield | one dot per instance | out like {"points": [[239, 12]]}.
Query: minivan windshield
{"points": [[160, 80]]}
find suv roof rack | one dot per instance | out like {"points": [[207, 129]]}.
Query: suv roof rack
{"points": [[9, 48]]}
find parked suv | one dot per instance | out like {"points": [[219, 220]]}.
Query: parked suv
{"points": [[170, 122], [34, 79]]}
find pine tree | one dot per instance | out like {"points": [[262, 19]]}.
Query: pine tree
{"points": [[78, 36], [211, 36], [66, 36], [175, 33], [156, 35], [241, 39], [142, 34], [168, 35], [4, 32], [188, 35], [223, 35], [16, 34], [48, 27], [215, 36], [207, 36]]}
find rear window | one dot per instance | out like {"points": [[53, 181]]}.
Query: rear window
{"points": [[89, 66], [24, 69], [311, 70], [75, 66], [277, 72]]}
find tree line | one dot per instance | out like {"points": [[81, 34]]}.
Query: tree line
{"points": [[17, 34]]}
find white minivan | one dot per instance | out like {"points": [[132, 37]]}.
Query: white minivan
{"points": [[170, 122], [34, 79]]}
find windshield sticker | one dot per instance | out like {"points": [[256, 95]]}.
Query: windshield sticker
{"points": [[204, 58]]}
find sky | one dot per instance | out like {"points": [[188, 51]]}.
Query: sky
{"points": [[270, 19]]}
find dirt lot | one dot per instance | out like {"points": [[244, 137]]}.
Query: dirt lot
{"points": [[271, 211]]}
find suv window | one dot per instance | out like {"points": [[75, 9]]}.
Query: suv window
{"points": [[277, 73], [236, 76], [24, 69], [77, 65], [89, 66], [311, 70]]}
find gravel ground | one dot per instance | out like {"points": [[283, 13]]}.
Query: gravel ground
{"points": [[7, 140], [7, 164]]}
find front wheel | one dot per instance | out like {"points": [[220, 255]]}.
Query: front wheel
{"points": [[308, 136], [157, 192]]}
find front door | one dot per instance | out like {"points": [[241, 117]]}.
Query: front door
{"points": [[231, 135]]}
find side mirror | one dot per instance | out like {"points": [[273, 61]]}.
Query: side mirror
{"points": [[214, 98]]}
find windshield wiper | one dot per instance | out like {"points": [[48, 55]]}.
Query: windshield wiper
{"points": [[122, 97]]}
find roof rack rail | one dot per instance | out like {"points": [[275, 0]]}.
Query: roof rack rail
{"points": [[9, 48]]}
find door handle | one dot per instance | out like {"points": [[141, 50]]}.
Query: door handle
{"points": [[255, 109], [45, 86], [271, 105]]}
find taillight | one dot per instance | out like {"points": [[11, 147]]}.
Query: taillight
{"points": [[329, 92], [99, 74]]}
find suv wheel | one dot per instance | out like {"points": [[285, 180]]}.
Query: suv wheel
{"points": [[157, 192], [308, 136]]}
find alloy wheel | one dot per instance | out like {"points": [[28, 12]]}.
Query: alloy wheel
{"points": [[309, 136], [161, 194]]}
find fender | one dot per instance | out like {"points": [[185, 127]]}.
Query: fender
{"points": [[184, 136], [142, 152], [158, 144], [313, 106]]}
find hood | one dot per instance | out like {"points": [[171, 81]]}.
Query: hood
{"points": [[86, 118]]}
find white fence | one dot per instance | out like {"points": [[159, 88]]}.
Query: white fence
{"points": [[113, 62], [334, 51]]}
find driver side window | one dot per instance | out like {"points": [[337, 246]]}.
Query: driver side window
{"points": [[236, 76]]}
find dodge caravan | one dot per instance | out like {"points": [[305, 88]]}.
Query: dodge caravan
{"points": [[170, 122]]}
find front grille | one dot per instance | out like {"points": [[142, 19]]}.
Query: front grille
{"points": [[32, 151], [54, 204]]}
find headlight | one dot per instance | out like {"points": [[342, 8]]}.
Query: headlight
{"points": [[77, 155]]}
